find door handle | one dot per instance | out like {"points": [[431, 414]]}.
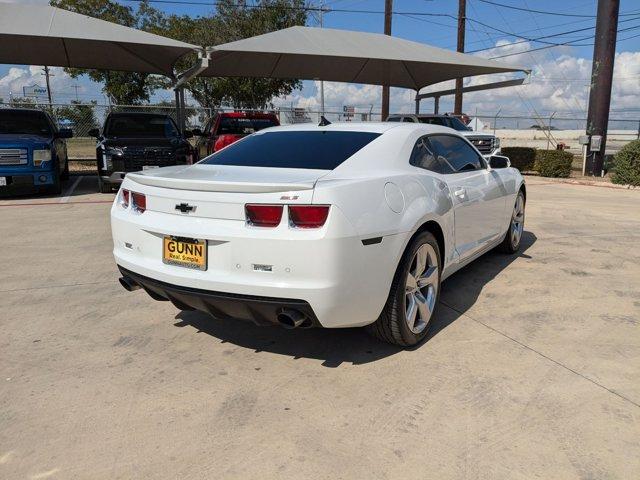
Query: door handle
{"points": [[461, 193]]}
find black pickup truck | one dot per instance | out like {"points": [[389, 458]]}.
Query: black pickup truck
{"points": [[131, 142]]}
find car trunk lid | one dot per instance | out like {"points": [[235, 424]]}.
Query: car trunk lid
{"points": [[222, 191]]}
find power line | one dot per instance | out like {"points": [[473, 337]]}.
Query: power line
{"points": [[570, 43], [545, 12], [539, 39]]}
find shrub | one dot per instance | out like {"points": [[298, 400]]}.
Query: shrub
{"points": [[521, 158], [553, 163], [627, 164]]}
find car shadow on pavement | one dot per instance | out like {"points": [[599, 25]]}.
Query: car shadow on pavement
{"points": [[354, 345]]}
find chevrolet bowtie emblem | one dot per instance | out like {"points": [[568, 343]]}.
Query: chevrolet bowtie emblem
{"points": [[185, 208]]}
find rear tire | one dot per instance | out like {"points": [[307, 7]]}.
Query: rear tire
{"points": [[512, 239], [414, 295], [65, 172], [104, 187]]}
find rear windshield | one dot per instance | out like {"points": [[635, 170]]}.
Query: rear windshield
{"points": [[25, 123], [244, 126], [308, 149], [140, 126]]}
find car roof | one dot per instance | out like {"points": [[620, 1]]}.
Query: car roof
{"points": [[146, 114], [24, 110], [373, 127], [248, 114]]}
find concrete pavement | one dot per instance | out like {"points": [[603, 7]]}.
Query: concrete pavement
{"points": [[532, 370]]}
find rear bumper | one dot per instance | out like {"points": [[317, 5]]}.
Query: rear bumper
{"points": [[260, 310]]}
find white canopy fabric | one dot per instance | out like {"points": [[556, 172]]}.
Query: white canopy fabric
{"points": [[44, 35], [345, 56]]}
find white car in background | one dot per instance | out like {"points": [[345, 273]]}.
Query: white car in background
{"points": [[338, 225]]}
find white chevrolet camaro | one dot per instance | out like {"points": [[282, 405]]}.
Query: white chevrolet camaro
{"points": [[341, 225]]}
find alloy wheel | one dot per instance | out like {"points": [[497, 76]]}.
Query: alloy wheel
{"points": [[421, 288], [517, 221]]}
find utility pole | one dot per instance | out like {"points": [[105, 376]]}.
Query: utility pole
{"points": [[388, 8], [47, 75], [604, 52], [462, 13]]}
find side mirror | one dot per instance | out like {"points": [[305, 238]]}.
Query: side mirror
{"points": [[65, 133], [197, 132], [498, 161], [94, 132]]}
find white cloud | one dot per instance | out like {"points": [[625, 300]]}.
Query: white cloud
{"points": [[559, 83], [62, 85]]}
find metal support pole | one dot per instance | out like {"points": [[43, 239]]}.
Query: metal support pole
{"points": [[601, 78], [321, 82], [462, 9], [46, 76], [549, 127], [495, 121], [178, 108], [388, 8], [417, 102], [436, 104]]}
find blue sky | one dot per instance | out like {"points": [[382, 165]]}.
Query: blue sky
{"points": [[558, 82]]}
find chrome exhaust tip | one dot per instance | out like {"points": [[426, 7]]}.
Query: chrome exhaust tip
{"points": [[290, 319]]}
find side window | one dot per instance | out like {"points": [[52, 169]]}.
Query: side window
{"points": [[423, 156], [408, 119], [394, 119], [457, 154]]}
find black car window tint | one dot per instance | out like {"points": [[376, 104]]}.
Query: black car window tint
{"points": [[456, 153]]}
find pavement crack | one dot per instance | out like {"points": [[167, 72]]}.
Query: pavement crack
{"points": [[55, 286], [546, 357]]}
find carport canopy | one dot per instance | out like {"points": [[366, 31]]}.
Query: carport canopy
{"points": [[345, 56], [45, 35]]}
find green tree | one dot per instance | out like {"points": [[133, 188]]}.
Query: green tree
{"points": [[232, 20], [82, 117], [235, 21], [125, 88]]}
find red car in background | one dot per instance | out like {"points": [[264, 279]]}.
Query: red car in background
{"points": [[227, 127]]}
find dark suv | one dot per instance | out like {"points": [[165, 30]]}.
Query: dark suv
{"points": [[131, 142]]}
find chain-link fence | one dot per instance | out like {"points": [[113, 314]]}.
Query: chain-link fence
{"points": [[513, 130]]}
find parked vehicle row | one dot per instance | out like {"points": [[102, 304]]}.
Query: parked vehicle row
{"points": [[33, 150]]}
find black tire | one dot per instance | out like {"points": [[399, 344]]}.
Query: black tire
{"points": [[392, 326], [65, 172], [56, 188], [511, 242], [104, 187]]}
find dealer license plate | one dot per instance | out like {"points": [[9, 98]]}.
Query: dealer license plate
{"points": [[3, 181], [185, 252]]}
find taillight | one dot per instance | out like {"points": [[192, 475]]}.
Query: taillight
{"points": [[224, 140], [308, 216], [263, 215], [124, 198], [139, 202]]}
